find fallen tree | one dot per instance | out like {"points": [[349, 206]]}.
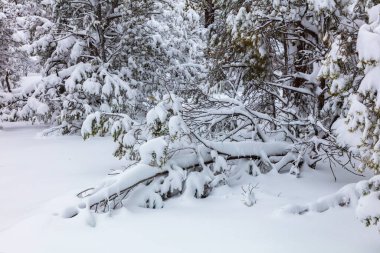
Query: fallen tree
{"points": [[168, 156]]}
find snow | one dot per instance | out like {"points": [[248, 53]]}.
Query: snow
{"points": [[345, 196], [220, 163], [369, 206], [65, 44], [29, 83], [88, 122], [249, 148], [128, 179], [37, 106], [343, 131], [369, 203], [195, 184], [373, 13], [129, 140], [39, 193], [76, 51], [321, 5], [368, 40], [174, 181], [91, 86], [157, 113], [76, 74], [39, 169], [153, 151], [370, 83], [177, 126], [231, 168], [248, 196], [20, 36]]}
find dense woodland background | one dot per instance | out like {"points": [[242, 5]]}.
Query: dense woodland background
{"points": [[199, 92]]}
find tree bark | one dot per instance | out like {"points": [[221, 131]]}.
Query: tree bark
{"points": [[100, 30], [209, 12], [7, 82]]}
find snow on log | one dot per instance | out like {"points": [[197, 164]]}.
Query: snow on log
{"points": [[111, 189], [249, 148], [364, 196]]}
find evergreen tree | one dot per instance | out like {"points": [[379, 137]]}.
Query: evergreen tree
{"points": [[269, 93], [13, 62], [280, 58], [113, 56], [362, 117], [21, 21], [198, 94]]}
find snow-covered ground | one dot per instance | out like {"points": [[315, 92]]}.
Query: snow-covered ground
{"points": [[39, 177], [35, 170]]}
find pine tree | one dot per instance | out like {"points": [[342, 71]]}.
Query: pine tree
{"points": [[14, 61], [21, 22], [362, 117], [111, 56], [265, 106], [275, 57]]}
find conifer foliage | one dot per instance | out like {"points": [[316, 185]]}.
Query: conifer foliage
{"points": [[198, 94], [14, 62], [363, 118], [110, 56]]}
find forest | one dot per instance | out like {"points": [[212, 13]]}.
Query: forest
{"points": [[185, 105]]}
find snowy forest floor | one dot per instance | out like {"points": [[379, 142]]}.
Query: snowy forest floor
{"points": [[40, 176]]}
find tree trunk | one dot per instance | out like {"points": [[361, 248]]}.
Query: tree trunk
{"points": [[209, 12], [7, 82], [100, 30]]}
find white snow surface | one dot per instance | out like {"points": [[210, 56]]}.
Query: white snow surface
{"points": [[34, 170], [368, 40], [40, 177]]}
